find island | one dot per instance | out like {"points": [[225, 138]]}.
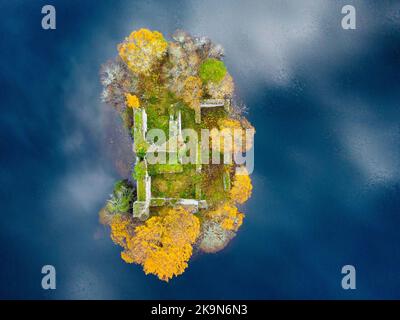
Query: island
{"points": [[189, 136]]}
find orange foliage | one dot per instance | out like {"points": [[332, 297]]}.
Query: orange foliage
{"points": [[227, 215], [192, 91], [221, 90], [120, 231], [242, 187], [163, 245], [132, 101], [229, 138], [142, 49]]}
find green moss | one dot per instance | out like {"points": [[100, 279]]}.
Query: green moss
{"points": [[157, 202], [140, 170], [138, 119], [157, 119], [140, 143], [141, 148], [177, 185], [227, 181], [198, 193], [211, 116], [158, 110], [212, 70], [153, 99], [188, 118], [155, 169], [141, 188]]}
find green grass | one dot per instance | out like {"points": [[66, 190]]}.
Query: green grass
{"points": [[187, 116], [158, 110], [213, 184], [177, 185], [141, 145], [158, 168], [139, 170], [211, 116]]}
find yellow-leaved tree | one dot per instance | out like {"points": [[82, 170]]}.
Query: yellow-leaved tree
{"points": [[227, 215], [229, 137], [121, 230], [221, 90], [132, 101], [163, 245], [192, 92], [142, 49], [242, 187]]}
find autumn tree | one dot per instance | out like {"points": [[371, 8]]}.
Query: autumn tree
{"points": [[242, 187], [120, 229], [132, 101], [183, 64], [214, 237], [219, 227], [142, 49], [121, 198], [192, 92], [117, 79], [227, 215], [230, 138], [163, 245], [221, 90]]}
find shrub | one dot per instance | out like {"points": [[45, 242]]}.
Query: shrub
{"points": [[212, 70], [142, 49], [242, 187], [121, 198], [141, 149]]}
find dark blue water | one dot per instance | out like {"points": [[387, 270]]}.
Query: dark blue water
{"points": [[325, 105]]}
